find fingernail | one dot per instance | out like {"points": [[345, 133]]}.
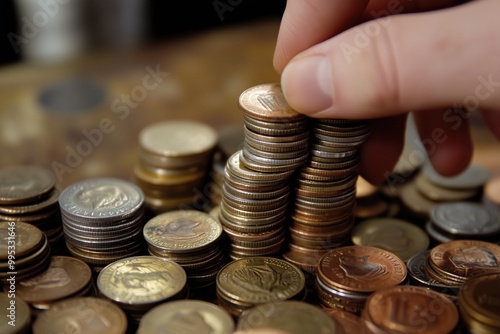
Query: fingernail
{"points": [[307, 84]]}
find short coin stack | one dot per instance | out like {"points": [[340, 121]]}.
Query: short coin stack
{"points": [[102, 220], [139, 283], [245, 283], [28, 194], [190, 238], [31, 254], [348, 275], [174, 161]]}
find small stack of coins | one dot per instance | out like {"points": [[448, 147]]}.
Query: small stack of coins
{"points": [[289, 316], [253, 209], [186, 316], [409, 310], [190, 238], [174, 161], [452, 263], [102, 220], [139, 283], [478, 304], [245, 283], [18, 315], [66, 277], [348, 275], [82, 314], [28, 194], [24, 252], [394, 235], [462, 220]]}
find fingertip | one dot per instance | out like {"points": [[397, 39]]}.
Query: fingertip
{"points": [[453, 159]]}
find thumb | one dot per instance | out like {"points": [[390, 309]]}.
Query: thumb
{"points": [[399, 63]]}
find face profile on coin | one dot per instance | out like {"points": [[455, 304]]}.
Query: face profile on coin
{"points": [[102, 197]]}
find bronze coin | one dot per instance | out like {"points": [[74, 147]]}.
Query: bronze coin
{"points": [[479, 298], [19, 239], [24, 184]]}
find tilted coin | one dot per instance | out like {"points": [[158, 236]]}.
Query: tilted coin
{"points": [[84, 315], [19, 239], [473, 177], [24, 184], [186, 317]]}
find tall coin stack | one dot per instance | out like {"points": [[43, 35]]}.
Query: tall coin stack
{"points": [[174, 161], [254, 203], [28, 194], [102, 220], [322, 213]]}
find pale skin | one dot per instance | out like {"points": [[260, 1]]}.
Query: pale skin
{"points": [[428, 58]]}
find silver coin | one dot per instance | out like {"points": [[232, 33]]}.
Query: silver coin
{"points": [[101, 199], [473, 177]]}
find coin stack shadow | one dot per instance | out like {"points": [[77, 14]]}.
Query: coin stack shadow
{"points": [[32, 198], [322, 212], [254, 204], [174, 162], [102, 220], [193, 240]]}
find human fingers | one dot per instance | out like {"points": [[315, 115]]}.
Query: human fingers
{"points": [[379, 8], [492, 118], [400, 63]]}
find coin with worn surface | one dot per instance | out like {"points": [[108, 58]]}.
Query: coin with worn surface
{"points": [[395, 235], [16, 315], [65, 277], [464, 218], [361, 268], [473, 177], [267, 102], [141, 280], [260, 279], [480, 299], [186, 317], [19, 239], [101, 199], [463, 259], [82, 315], [24, 184], [182, 230], [294, 317], [409, 309]]}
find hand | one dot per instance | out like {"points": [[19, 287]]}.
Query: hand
{"points": [[441, 64]]}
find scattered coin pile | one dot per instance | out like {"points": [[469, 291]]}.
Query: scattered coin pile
{"points": [[66, 277], [19, 314], [174, 162], [452, 263], [186, 316], [398, 309], [24, 252], [463, 220], [369, 202], [190, 238], [478, 304], [245, 283], [28, 194], [348, 275], [102, 220], [137, 284]]}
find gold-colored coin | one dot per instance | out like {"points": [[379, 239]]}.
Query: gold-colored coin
{"points": [[141, 280], [186, 317], [24, 184], [16, 315], [440, 194], [413, 200], [19, 239], [479, 298], [44, 205], [82, 315], [394, 235]]}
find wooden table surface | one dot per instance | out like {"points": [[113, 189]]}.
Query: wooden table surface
{"points": [[207, 72]]}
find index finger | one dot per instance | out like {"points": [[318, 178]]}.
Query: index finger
{"points": [[308, 22]]}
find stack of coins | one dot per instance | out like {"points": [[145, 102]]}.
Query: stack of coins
{"points": [[190, 238], [478, 304], [66, 277], [462, 220], [253, 209], [452, 263], [83, 315], [186, 316], [139, 283], [348, 275], [102, 220], [18, 315], [409, 310], [325, 192], [395, 235], [245, 283], [28, 194], [24, 252], [174, 161], [293, 317]]}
